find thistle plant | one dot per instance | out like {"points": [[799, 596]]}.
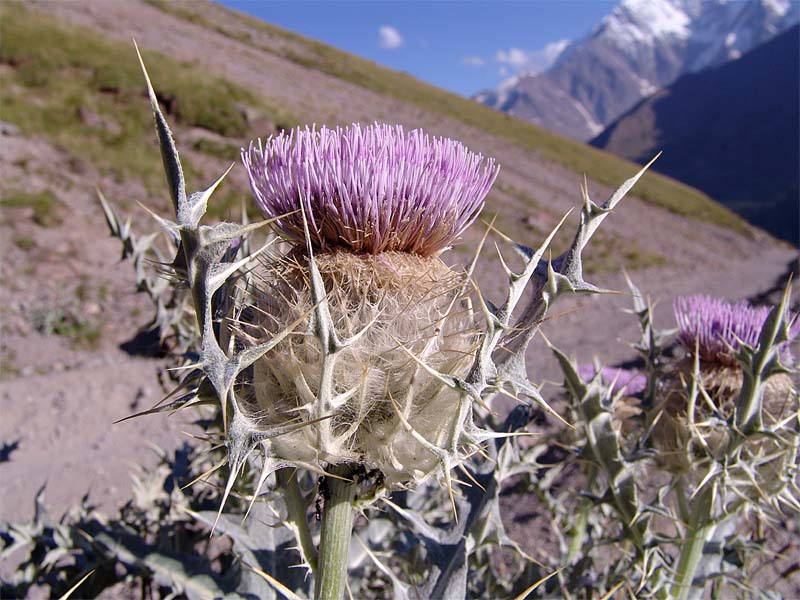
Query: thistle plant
{"points": [[716, 337], [348, 362], [715, 443], [345, 346], [716, 330], [738, 420], [380, 315]]}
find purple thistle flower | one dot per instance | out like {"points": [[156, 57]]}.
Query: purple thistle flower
{"points": [[718, 327], [369, 189], [631, 382]]}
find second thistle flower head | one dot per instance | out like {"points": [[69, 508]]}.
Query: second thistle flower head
{"points": [[713, 331], [716, 330], [719, 327], [369, 189], [380, 205]]}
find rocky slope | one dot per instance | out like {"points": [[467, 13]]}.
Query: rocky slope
{"points": [[76, 118], [640, 47], [743, 153]]}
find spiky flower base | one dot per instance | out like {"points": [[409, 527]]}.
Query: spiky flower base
{"points": [[373, 403]]}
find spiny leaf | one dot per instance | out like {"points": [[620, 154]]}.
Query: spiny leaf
{"points": [[169, 153]]}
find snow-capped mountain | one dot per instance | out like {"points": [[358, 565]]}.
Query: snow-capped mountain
{"points": [[726, 132], [640, 47]]}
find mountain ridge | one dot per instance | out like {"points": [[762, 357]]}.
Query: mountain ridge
{"points": [[745, 153], [641, 46]]}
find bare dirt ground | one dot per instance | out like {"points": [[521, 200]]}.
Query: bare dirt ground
{"points": [[61, 393]]}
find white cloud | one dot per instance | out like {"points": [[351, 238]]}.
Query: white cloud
{"points": [[473, 61], [534, 61], [389, 38], [514, 57]]}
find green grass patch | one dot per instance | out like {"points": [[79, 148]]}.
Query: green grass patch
{"points": [[224, 150], [25, 243], [576, 156], [60, 73], [8, 369], [83, 333], [64, 319], [46, 207]]}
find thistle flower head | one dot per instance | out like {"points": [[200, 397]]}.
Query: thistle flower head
{"points": [[719, 327], [716, 330], [369, 189], [380, 204]]}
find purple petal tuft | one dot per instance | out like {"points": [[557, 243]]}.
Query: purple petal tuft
{"points": [[369, 189], [718, 326]]}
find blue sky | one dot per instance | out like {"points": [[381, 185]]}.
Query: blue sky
{"points": [[461, 46]]}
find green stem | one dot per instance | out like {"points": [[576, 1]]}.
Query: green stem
{"points": [[337, 528], [578, 531], [682, 494], [702, 528], [699, 529], [691, 553], [297, 507]]}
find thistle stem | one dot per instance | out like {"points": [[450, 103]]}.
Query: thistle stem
{"points": [[700, 528], [337, 528], [691, 553]]}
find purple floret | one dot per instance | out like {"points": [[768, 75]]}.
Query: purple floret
{"points": [[718, 327], [631, 382], [369, 189]]}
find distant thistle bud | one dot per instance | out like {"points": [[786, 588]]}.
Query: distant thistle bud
{"points": [[623, 385], [621, 380], [380, 205]]}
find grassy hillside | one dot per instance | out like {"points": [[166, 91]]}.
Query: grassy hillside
{"points": [[84, 93], [598, 165]]}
